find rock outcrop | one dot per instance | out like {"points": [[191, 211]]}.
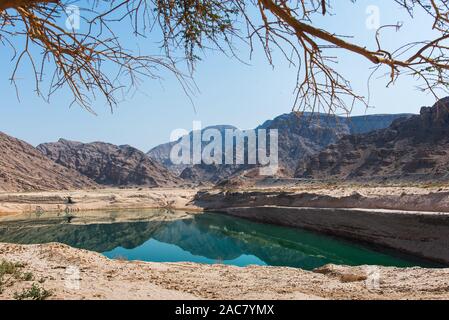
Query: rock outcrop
{"points": [[305, 134], [108, 164], [414, 148], [23, 168]]}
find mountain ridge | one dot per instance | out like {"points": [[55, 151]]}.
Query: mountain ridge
{"points": [[24, 168], [109, 164], [409, 149], [300, 135]]}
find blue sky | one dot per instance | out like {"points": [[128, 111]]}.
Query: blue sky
{"points": [[230, 92]]}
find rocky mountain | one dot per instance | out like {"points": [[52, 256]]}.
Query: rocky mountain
{"points": [[304, 134], [161, 153], [108, 164], [212, 173], [23, 168], [410, 148], [300, 135]]}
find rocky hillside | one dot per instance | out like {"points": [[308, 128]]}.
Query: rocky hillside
{"points": [[23, 168], [409, 149], [304, 134], [108, 164], [300, 135], [161, 153]]}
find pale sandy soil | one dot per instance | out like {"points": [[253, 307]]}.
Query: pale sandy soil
{"points": [[98, 199], [179, 198], [102, 278], [347, 189]]}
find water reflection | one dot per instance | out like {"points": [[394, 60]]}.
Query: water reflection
{"points": [[179, 236]]}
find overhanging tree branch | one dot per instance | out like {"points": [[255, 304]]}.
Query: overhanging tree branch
{"points": [[79, 59], [9, 4]]}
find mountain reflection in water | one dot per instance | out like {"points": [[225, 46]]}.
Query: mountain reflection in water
{"points": [[204, 238]]}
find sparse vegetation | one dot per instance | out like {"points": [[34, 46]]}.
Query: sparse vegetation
{"points": [[27, 276], [9, 271], [12, 272], [11, 268], [34, 293]]}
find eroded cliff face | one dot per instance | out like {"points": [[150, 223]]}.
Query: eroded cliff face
{"points": [[23, 168], [108, 164], [387, 199], [415, 148]]}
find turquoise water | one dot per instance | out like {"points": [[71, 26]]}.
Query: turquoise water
{"points": [[204, 238]]}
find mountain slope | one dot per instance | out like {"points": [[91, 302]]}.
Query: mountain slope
{"points": [[413, 148], [300, 135], [108, 164], [23, 168], [304, 134], [161, 153]]}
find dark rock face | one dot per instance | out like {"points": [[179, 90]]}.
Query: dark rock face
{"points": [[23, 168], [300, 135], [108, 164], [411, 148], [305, 134]]}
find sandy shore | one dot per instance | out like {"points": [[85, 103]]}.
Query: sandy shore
{"points": [[96, 277], [98, 199], [420, 198]]}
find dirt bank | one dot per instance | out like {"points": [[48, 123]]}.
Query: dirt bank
{"points": [[411, 220], [101, 199], [70, 273], [433, 199], [424, 235]]}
